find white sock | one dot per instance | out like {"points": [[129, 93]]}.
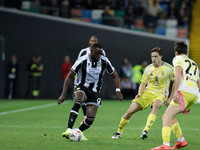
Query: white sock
{"points": [[167, 144], [181, 139]]}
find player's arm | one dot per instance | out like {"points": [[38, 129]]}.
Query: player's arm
{"points": [[171, 95], [117, 84], [69, 77], [177, 81], [141, 89]]}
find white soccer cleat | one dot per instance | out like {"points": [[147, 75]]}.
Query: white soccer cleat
{"points": [[144, 134], [116, 136]]}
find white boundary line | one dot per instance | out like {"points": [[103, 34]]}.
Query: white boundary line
{"points": [[27, 109]]}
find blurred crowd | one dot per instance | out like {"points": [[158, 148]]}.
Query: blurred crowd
{"points": [[147, 14], [130, 77], [34, 69]]}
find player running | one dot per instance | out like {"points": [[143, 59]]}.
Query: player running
{"points": [[91, 69], [86, 51], [152, 91], [186, 93]]}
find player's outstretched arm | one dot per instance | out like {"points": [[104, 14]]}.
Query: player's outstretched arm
{"points": [[171, 95], [69, 77], [141, 89], [117, 83]]}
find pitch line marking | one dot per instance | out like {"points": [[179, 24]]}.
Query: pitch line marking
{"points": [[27, 109]]}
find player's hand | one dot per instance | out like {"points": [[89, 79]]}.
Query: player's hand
{"points": [[137, 96], [168, 102], [119, 96], [175, 96], [61, 99]]}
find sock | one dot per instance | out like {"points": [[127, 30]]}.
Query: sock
{"points": [[73, 115], [150, 120], [178, 132], [166, 132], [86, 124], [122, 124]]}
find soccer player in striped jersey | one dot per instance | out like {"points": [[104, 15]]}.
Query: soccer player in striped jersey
{"points": [[90, 69], [86, 51], [185, 95], [152, 91]]}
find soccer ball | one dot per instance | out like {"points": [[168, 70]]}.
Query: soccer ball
{"points": [[75, 135]]}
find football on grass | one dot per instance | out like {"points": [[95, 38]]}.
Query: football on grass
{"points": [[75, 135]]}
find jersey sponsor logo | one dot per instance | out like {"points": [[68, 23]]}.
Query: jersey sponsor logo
{"points": [[99, 64]]}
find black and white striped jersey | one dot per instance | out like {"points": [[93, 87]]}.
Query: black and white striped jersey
{"points": [[90, 73], [87, 51]]}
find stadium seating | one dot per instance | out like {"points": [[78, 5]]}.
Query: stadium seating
{"points": [[96, 16], [86, 14], [76, 13], [119, 13], [171, 32], [160, 31], [139, 23], [182, 32], [171, 23]]}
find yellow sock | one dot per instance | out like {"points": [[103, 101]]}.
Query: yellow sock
{"points": [[166, 132], [122, 124], [150, 120], [177, 130]]}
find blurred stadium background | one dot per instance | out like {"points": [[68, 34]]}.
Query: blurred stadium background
{"points": [[55, 28]]}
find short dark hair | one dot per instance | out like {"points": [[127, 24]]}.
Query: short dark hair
{"points": [[158, 50], [180, 47], [96, 45]]}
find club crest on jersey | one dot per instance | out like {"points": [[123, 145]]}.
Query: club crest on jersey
{"points": [[99, 64]]}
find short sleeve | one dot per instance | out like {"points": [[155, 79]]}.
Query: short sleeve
{"points": [[110, 69]]}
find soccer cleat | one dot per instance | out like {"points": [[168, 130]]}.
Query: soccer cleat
{"points": [[66, 133], [83, 138], [144, 134], [180, 144], [162, 147], [116, 136]]}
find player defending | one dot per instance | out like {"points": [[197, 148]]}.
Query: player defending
{"points": [[93, 39], [157, 77], [91, 69], [186, 92]]}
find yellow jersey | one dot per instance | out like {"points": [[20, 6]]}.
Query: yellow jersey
{"points": [[189, 74], [158, 78]]}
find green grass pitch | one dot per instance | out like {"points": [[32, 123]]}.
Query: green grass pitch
{"points": [[38, 125]]}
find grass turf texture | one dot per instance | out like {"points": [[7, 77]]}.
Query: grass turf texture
{"points": [[41, 128]]}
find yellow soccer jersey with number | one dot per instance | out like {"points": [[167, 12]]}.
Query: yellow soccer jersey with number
{"points": [[158, 79], [189, 75]]}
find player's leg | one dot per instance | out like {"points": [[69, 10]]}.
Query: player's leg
{"points": [[181, 142], [134, 107], [188, 100], [156, 105], [79, 98], [167, 118], [91, 113], [84, 112]]}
